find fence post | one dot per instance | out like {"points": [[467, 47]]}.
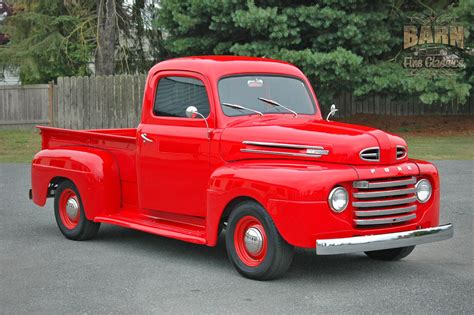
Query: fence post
{"points": [[51, 103]]}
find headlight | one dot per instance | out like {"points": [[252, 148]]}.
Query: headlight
{"points": [[423, 190], [338, 199]]}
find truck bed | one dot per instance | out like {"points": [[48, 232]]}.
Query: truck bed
{"points": [[113, 138], [120, 142]]}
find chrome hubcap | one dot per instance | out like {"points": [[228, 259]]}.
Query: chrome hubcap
{"points": [[253, 240], [72, 207]]}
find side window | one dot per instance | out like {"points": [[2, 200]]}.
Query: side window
{"points": [[175, 94]]}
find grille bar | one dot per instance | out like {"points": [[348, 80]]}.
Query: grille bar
{"points": [[385, 184], [384, 193], [383, 203], [385, 220], [382, 212]]}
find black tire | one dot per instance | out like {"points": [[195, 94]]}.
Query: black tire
{"points": [[278, 255], [390, 254], [84, 229]]}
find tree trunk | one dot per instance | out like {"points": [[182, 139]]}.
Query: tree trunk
{"points": [[107, 34]]}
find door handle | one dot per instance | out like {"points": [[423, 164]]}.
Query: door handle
{"points": [[145, 138]]}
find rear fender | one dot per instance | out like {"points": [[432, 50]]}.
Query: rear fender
{"points": [[94, 171]]}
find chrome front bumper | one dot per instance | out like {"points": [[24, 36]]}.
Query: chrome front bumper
{"points": [[383, 241]]}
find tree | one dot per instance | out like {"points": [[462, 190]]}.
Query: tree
{"points": [[141, 42], [107, 29], [341, 45], [124, 37], [48, 39], [127, 40], [4, 12], [51, 38]]}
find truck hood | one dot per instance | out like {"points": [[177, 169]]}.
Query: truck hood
{"points": [[302, 139]]}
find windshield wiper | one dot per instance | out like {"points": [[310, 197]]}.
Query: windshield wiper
{"points": [[275, 103], [242, 107]]}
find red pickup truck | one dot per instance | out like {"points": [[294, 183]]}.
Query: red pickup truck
{"points": [[239, 144]]}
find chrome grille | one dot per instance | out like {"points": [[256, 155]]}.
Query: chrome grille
{"points": [[370, 154], [384, 201], [401, 152]]}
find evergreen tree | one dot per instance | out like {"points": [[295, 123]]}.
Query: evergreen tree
{"points": [[342, 45], [4, 12], [48, 39], [51, 38]]}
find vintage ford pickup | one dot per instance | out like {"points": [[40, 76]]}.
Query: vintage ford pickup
{"points": [[239, 144]]}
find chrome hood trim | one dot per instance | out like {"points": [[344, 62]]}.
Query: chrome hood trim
{"points": [[304, 150]]}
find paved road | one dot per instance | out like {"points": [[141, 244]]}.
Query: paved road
{"points": [[125, 271]]}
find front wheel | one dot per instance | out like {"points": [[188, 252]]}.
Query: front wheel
{"points": [[390, 254], [254, 245], [69, 213]]}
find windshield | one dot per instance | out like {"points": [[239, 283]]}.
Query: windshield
{"points": [[246, 91]]}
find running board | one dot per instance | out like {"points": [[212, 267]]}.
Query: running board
{"points": [[181, 231]]}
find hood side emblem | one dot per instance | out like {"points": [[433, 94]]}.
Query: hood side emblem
{"points": [[316, 151]]}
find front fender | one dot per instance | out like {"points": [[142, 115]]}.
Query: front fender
{"points": [[292, 192], [94, 171]]}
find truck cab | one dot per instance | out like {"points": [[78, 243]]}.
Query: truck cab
{"points": [[239, 144]]}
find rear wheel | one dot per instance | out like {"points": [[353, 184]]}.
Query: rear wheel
{"points": [[69, 213], [391, 254], [254, 245]]}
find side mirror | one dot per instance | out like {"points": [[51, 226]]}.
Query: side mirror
{"points": [[192, 112], [332, 112]]}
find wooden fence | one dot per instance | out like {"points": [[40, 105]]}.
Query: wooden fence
{"points": [[98, 102], [115, 102], [22, 106], [349, 105]]}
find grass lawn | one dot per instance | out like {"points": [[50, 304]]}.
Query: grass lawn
{"points": [[19, 146], [440, 147]]}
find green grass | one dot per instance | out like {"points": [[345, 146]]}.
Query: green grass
{"points": [[19, 146], [440, 147]]}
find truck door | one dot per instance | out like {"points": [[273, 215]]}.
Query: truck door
{"points": [[173, 150]]}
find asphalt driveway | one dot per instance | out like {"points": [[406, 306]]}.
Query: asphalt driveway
{"points": [[125, 271]]}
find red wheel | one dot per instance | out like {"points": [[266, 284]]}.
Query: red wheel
{"points": [[70, 214], [69, 208], [254, 245], [250, 241]]}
